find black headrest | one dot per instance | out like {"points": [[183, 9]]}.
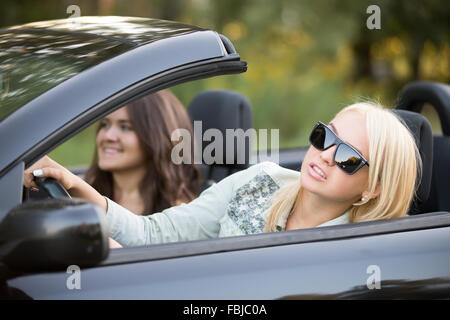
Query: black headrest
{"points": [[421, 129], [415, 94], [439, 199], [413, 97], [222, 110]]}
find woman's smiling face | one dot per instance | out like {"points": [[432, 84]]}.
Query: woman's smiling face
{"points": [[117, 144], [319, 173]]}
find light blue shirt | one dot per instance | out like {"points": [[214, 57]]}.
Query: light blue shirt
{"points": [[237, 205]]}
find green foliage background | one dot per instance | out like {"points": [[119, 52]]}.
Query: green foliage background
{"points": [[306, 59]]}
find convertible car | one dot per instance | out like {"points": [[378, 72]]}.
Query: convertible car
{"points": [[58, 77]]}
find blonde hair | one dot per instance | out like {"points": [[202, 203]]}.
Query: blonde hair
{"points": [[395, 166]]}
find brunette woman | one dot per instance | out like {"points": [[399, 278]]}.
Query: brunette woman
{"points": [[132, 163]]}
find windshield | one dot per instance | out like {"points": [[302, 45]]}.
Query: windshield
{"points": [[33, 61]]}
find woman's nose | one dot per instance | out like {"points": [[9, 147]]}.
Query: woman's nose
{"points": [[328, 155], [112, 133]]}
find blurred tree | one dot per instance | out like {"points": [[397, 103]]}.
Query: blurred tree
{"points": [[408, 25]]}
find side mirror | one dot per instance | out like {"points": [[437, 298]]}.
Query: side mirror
{"points": [[53, 234]]}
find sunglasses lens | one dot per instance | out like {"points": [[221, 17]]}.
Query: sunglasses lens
{"points": [[347, 159], [320, 139]]}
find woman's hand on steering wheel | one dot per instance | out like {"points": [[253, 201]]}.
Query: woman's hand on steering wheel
{"points": [[77, 187], [47, 168]]}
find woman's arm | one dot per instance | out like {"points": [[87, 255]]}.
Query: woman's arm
{"points": [[199, 219], [77, 187], [113, 244]]}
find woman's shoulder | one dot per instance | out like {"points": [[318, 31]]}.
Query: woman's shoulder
{"points": [[261, 174], [251, 196], [277, 173]]}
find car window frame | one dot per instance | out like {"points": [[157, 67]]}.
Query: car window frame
{"points": [[169, 78]]}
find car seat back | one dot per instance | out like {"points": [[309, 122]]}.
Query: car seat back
{"points": [[421, 130], [439, 199], [222, 110], [412, 98]]}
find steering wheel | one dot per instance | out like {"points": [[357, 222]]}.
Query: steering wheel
{"points": [[52, 187]]}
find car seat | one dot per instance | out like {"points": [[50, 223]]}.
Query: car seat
{"points": [[412, 97], [222, 110], [421, 130]]}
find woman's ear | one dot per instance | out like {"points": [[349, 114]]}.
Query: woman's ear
{"points": [[375, 194]]}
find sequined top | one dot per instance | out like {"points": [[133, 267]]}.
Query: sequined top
{"points": [[237, 205]]}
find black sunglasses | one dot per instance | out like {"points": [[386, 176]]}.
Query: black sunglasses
{"points": [[346, 157]]}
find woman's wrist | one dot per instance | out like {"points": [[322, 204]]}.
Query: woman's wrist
{"points": [[81, 189]]}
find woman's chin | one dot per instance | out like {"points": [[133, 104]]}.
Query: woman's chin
{"points": [[310, 184], [108, 166]]}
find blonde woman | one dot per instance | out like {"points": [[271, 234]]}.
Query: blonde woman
{"points": [[364, 165]]}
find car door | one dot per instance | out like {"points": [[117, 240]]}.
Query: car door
{"points": [[405, 258]]}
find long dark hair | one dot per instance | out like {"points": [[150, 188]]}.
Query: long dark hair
{"points": [[153, 119]]}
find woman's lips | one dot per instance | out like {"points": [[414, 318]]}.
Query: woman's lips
{"points": [[110, 151], [316, 172]]}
